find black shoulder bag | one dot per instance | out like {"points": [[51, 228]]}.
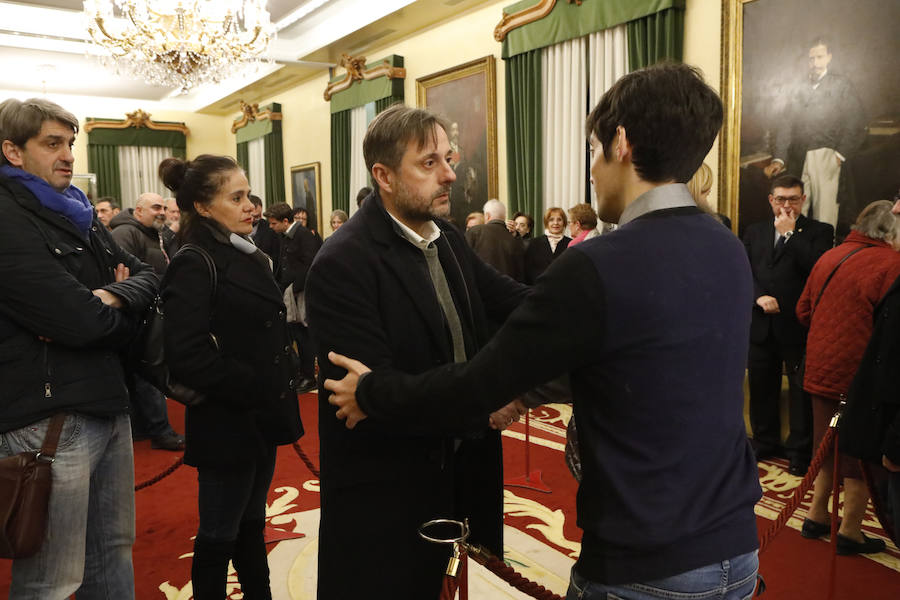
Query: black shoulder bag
{"points": [[150, 361]]}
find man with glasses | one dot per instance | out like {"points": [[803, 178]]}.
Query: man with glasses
{"points": [[782, 252]]}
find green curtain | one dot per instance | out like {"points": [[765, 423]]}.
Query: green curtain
{"points": [[243, 156], [103, 160], [656, 37], [383, 103], [524, 147], [274, 166], [340, 160]]}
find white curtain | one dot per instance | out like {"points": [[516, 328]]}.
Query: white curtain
{"points": [[571, 71], [256, 151], [139, 172], [564, 101], [359, 177], [608, 53]]}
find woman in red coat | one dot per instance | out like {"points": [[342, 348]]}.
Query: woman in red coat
{"points": [[840, 325]]}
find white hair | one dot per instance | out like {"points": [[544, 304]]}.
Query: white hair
{"points": [[494, 209]]}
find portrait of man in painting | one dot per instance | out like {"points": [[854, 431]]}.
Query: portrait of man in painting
{"points": [[820, 99], [305, 192]]}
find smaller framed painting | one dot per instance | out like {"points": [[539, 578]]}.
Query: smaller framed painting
{"points": [[306, 192]]}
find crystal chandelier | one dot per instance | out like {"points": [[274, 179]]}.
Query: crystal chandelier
{"points": [[180, 43]]}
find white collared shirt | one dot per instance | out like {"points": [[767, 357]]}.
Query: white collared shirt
{"points": [[432, 233]]}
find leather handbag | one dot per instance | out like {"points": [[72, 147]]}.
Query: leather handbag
{"points": [[150, 362], [25, 495]]}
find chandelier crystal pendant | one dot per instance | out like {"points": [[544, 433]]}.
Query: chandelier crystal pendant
{"points": [[180, 43]]}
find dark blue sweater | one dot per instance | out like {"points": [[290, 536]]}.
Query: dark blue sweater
{"points": [[652, 323]]}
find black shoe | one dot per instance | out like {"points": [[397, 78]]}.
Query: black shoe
{"points": [[798, 466], [847, 546], [305, 384], [813, 529], [168, 441]]}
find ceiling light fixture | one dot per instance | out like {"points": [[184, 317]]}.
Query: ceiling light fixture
{"points": [[180, 43]]}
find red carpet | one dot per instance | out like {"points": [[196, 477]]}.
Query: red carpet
{"points": [[793, 567]]}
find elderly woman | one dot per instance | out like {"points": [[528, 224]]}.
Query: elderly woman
{"points": [[338, 218], [544, 249], [582, 223], [837, 305]]}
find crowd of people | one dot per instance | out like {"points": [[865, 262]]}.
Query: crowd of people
{"points": [[430, 338]]}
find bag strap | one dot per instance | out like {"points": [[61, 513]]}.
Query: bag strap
{"points": [[830, 275], [210, 265], [48, 450]]}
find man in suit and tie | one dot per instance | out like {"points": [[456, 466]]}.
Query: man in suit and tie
{"points": [[782, 252]]}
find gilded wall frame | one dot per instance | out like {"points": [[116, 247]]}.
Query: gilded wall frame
{"points": [[306, 192], [765, 56], [466, 95]]}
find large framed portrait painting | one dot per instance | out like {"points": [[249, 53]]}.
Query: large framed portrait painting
{"points": [[812, 90], [466, 97], [306, 192]]}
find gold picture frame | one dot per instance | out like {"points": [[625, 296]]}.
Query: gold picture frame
{"points": [[764, 73], [466, 96], [306, 181]]}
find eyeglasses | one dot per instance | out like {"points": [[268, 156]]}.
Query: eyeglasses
{"points": [[787, 199]]}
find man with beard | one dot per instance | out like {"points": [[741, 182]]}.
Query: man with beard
{"points": [[669, 481], [140, 233], [823, 126], [399, 286]]}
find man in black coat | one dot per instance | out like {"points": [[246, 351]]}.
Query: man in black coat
{"points": [[298, 248], [263, 236], [399, 286], [495, 244], [782, 252], [70, 304]]}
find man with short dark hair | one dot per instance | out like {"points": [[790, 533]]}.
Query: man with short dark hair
{"points": [[398, 285], [823, 126], [139, 231], [669, 481], [262, 235], [107, 208], [298, 249], [782, 251], [70, 304]]}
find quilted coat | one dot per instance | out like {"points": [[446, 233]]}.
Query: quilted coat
{"points": [[841, 324]]}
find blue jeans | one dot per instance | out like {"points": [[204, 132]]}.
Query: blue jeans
{"points": [[90, 528], [733, 579]]}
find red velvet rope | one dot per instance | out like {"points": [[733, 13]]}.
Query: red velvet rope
{"points": [[309, 464], [161, 476], [827, 443], [449, 587]]}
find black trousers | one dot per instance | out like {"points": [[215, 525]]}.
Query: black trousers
{"points": [[767, 362], [305, 348]]}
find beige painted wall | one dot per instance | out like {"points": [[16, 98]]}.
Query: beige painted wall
{"points": [[702, 48], [208, 134]]}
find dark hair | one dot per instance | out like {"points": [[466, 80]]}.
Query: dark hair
{"points": [[361, 195], [821, 40], [255, 200], [671, 118], [113, 203], [197, 180], [297, 210], [584, 214], [21, 121], [280, 212], [528, 219], [786, 181], [390, 132]]}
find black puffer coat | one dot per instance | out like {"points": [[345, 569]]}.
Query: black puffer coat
{"points": [[47, 270]]}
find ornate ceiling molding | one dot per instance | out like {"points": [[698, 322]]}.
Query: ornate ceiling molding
{"points": [[357, 71], [137, 119], [525, 16], [251, 113]]}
